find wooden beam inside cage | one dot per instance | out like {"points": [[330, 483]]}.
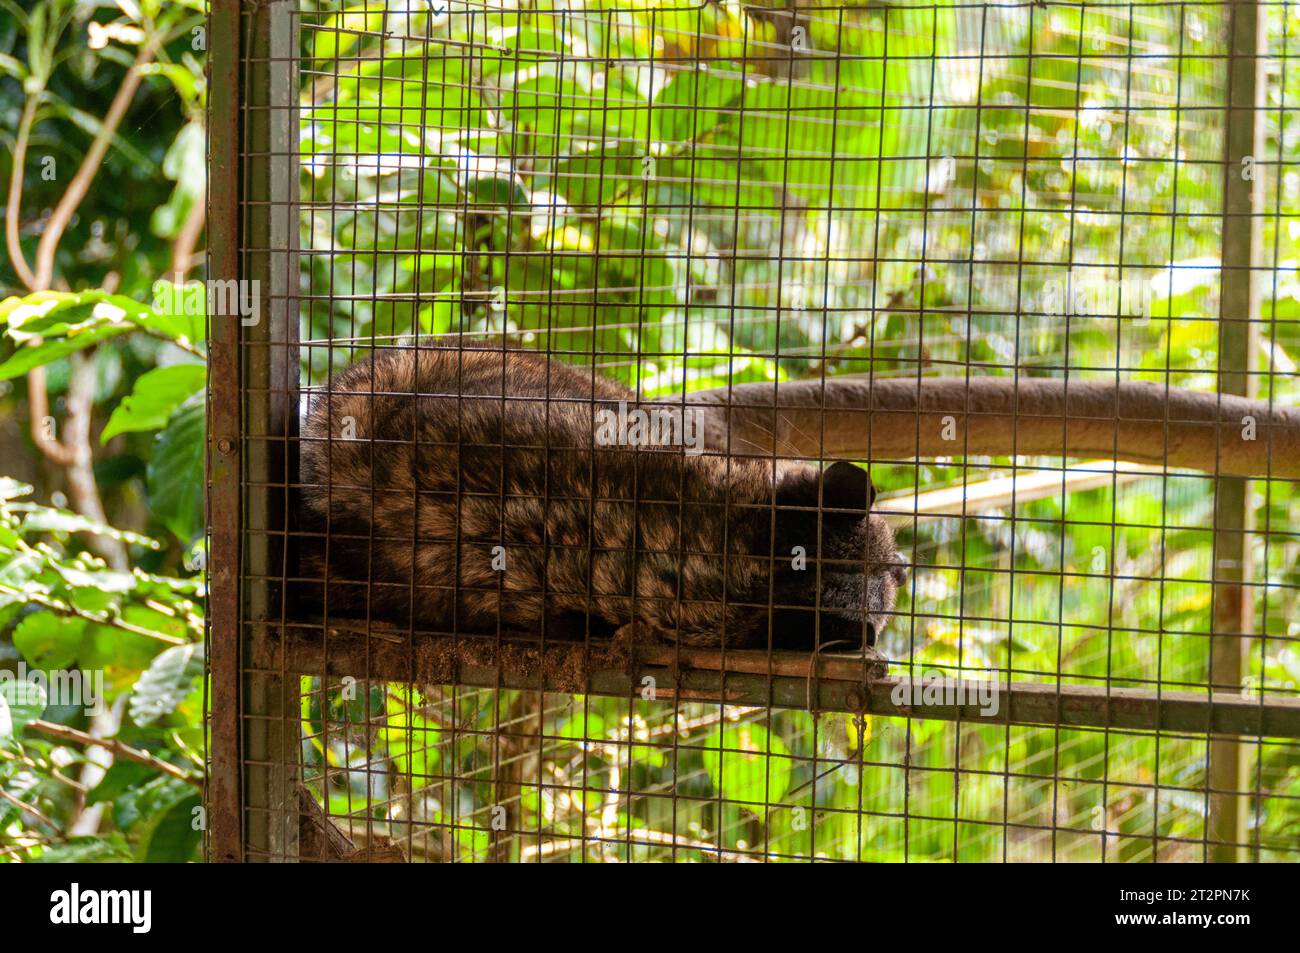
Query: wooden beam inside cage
{"points": [[844, 683]]}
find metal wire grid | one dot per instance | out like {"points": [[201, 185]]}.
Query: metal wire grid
{"points": [[647, 785], [594, 799]]}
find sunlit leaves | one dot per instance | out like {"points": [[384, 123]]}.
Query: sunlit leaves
{"points": [[42, 565], [747, 764], [47, 641], [105, 628], [49, 325], [164, 809], [108, 848], [338, 34], [411, 738], [21, 701], [168, 680], [155, 396], [539, 129]]}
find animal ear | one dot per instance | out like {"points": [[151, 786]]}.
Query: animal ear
{"points": [[847, 487]]}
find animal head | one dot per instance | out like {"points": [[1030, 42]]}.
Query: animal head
{"points": [[825, 515]]}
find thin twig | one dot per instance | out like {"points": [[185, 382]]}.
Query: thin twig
{"points": [[181, 343], [30, 809], [65, 608], [186, 240], [13, 204], [119, 748]]}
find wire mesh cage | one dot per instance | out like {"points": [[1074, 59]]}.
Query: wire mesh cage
{"points": [[755, 432]]}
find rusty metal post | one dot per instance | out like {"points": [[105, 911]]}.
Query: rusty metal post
{"points": [[252, 412], [222, 795], [1238, 309]]}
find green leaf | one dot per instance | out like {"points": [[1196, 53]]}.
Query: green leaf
{"points": [[154, 399], [696, 102], [12, 67], [180, 311], [583, 726], [96, 849], [175, 474], [185, 163], [49, 641], [150, 801], [173, 837], [50, 351], [341, 32], [50, 313], [55, 324], [746, 763], [43, 519], [166, 683], [21, 701], [122, 655], [440, 317], [188, 84], [122, 777], [100, 580], [11, 489], [412, 740], [18, 573]]}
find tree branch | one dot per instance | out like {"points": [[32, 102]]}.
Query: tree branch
{"points": [[83, 491], [186, 240], [67, 609], [80, 184], [119, 748], [14, 201], [38, 411], [74, 453], [30, 809], [859, 418]]}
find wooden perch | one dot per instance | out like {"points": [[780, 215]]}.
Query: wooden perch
{"points": [[859, 418]]}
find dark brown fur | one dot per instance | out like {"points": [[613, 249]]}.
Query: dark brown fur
{"points": [[401, 519]]}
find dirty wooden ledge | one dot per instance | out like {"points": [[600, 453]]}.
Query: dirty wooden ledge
{"points": [[846, 683]]}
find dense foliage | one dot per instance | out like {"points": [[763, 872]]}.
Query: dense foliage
{"points": [[101, 381], [685, 197]]}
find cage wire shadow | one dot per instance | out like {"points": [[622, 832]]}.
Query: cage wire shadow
{"points": [[1033, 265]]}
